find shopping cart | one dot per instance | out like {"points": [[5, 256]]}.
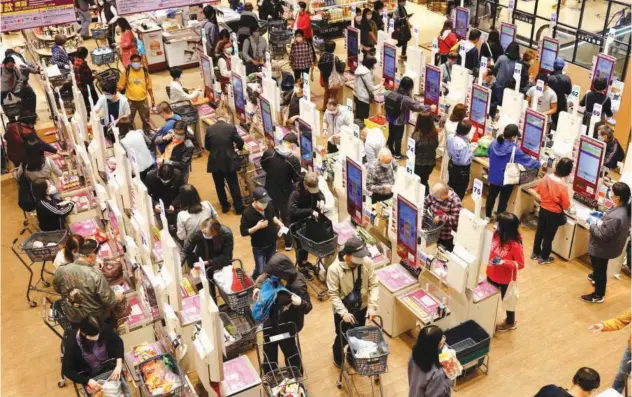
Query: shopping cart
{"points": [[321, 250], [239, 300], [430, 230], [280, 38], [291, 376], [57, 322], [245, 324], [356, 364], [45, 251], [107, 76], [103, 378]]}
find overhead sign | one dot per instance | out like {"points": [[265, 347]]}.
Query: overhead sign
{"points": [[125, 7], [26, 14]]}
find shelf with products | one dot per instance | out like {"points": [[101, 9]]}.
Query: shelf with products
{"points": [[321, 5], [38, 42]]}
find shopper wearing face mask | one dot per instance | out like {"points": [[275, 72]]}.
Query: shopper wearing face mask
{"points": [[426, 377], [373, 139], [166, 112], [377, 15], [136, 84], [254, 51], [368, 32], [193, 211], [108, 15], [301, 55], [336, 116], [93, 350], [84, 289], [138, 142], [608, 238], [59, 56], [224, 65], [445, 206], [365, 88], [128, 42], [381, 176], [51, 212], [291, 101], [554, 200], [283, 171], [460, 157], [164, 184], [112, 105], [179, 149], [614, 151], [402, 26], [305, 201], [260, 222], [354, 291], [304, 22], [213, 242]]}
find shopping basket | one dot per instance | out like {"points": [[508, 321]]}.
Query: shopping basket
{"points": [[528, 176], [186, 111], [230, 327], [241, 299], [99, 33], [430, 230], [103, 56], [12, 110], [110, 75], [376, 364], [260, 180], [469, 340], [287, 376], [49, 245], [247, 328], [321, 249], [170, 362]]}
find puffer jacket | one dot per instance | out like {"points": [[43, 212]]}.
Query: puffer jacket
{"points": [[499, 156], [98, 298], [607, 240], [364, 83], [282, 267]]}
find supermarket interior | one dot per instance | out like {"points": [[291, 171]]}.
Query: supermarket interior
{"points": [[423, 198]]}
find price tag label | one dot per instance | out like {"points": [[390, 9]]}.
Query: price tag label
{"points": [[539, 86], [356, 131], [574, 96], [350, 104], [597, 110], [477, 189]]}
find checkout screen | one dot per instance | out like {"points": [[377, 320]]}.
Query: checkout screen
{"points": [[352, 42], [207, 71], [432, 84], [238, 93], [588, 162], [307, 151], [462, 16], [478, 113], [604, 69], [266, 116], [406, 230], [506, 35], [389, 62], [354, 191], [534, 128], [549, 53]]}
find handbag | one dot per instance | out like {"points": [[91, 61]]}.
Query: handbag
{"points": [[371, 95], [336, 80], [563, 219], [512, 171], [112, 269], [510, 300], [353, 300]]}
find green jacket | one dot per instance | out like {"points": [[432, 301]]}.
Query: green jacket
{"points": [[98, 297]]}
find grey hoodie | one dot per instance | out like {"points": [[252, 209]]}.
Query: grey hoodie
{"points": [[364, 83]]}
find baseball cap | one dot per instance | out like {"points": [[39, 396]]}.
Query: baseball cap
{"points": [[261, 195], [558, 64], [291, 137], [356, 247]]}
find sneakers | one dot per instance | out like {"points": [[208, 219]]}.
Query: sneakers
{"points": [[592, 298], [591, 278], [288, 248], [397, 156], [534, 256], [504, 327], [546, 261]]}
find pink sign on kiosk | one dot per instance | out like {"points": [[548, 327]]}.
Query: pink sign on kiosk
{"points": [[479, 107], [603, 69], [395, 277], [588, 168], [239, 375], [432, 86]]}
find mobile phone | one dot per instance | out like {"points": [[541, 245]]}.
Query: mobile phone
{"points": [[496, 260]]}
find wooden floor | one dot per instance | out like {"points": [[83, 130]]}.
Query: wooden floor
{"points": [[551, 342]]}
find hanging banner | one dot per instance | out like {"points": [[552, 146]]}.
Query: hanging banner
{"points": [[125, 7], [27, 14]]}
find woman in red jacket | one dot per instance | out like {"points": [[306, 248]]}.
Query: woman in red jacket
{"points": [[447, 39], [304, 21], [506, 257]]}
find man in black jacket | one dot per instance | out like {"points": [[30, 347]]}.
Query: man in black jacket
{"points": [[164, 184], [259, 221], [562, 85], [288, 308], [220, 141], [283, 170], [213, 242], [304, 202]]}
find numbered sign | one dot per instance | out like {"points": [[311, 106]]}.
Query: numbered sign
{"points": [[574, 96], [518, 69], [410, 148], [539, 86], [435, 45], [610, 35], [597, 110], [511, 5], [350, 104], [477, 189], [410, 165], [306, 89], [553, 21], [356, 131]]}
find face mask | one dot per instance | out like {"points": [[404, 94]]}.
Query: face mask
{"points": [[299, 39], [228, 51], [136, 65], [357, 261], [262, 206], [601, 138], [92, 338], [178, 137], [358, 19], [165, 181], [108, 97], [385, 166], [255, 35], [207, 237]]}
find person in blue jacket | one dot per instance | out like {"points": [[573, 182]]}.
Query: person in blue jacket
{"points": [[499, 156]]}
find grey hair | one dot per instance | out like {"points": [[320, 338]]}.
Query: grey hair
{"points": [[439, 189], [383, 152], [605, 130]]}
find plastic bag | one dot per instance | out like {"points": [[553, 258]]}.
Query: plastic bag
{"points": [[482, 147]]}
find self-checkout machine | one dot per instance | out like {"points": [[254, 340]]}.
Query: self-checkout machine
{"points": [[513, 105], [350, 149]]}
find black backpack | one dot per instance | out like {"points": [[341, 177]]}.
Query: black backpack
{"points": [[393, 104], [26, 201]]}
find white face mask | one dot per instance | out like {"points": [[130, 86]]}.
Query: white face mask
{"points": [[358, 19], [228, 51], [207, 237], [262, 206], [165, 181], [385, 166], [92, 338], [357, 261], [299, 39]]}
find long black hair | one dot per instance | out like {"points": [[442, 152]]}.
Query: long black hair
{"points": [[508, 224], [426, 350], [511, 131], [406, 86], [513, 51], [190, 199], [622, 191]]}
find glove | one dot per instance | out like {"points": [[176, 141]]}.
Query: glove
{"points": [[315, 214], [296, 300]]}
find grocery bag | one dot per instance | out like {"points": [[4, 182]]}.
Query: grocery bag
{"points": [[511, 296], [512, 171]]}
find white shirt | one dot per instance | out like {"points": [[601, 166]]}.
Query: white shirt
{"points": [[189, 223], [343, 117], [135, 140], [374, 143], [223, 67], [177, 93], [545, 100]]}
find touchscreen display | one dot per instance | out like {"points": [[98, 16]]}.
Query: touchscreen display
{"points": [[462, 22], [390, 65], [432, 84], [238, 93], [478, 113], [533, 133], [406, 230], [207, 71], [604, 68], [307, 150], [589, 161], [266, 116], [354, 190], [352, 42], [549, 53], [507, 33]]}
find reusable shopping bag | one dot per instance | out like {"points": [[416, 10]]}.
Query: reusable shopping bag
{"points": [[512, 171], [267, 296], [511, 296]]}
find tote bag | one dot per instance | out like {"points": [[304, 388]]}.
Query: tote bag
{"points": [[336, 80], [510, 301], [512, 171]]}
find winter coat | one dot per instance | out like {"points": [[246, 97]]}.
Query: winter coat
{"points": [[220, 141], [283, 170], [607, 240], [302, 206], [218, 257], [499, 156], [159, 191], [364, 84], [503, 70]]}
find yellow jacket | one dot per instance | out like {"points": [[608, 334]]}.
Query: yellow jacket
{"points": [[616, 323]]}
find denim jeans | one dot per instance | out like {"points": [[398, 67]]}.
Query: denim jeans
{"points": [[624, 371], [262, 255]]}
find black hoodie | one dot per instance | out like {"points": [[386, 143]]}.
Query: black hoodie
{"points": [[282, 267], [283, 170]]}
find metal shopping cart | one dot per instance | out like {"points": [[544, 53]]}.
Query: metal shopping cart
{"points": [[103, 378], [57, 322], [324, 251], [239, 300], [280, 380], [39, 247], [358, 363], [430, 230], [111, 75], [280, 38]]}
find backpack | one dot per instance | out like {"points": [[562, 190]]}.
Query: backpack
{"points": [[26, 201], [267, 296], [393, 102], [340, 65]]}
